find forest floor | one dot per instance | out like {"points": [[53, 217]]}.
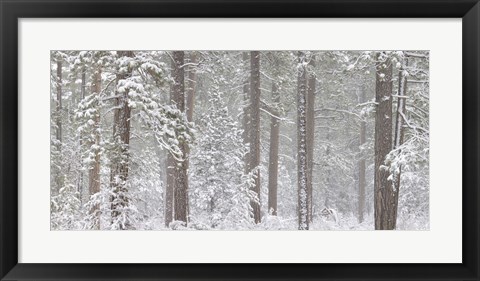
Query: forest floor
{"points": [[275, 223]]}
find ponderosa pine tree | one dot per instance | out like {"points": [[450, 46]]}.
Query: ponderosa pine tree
{"points": [[180, 184], [383, 190], [190, 104], [83, 89], [58, 123], [399, 131], [411, 138], [191, 85], [59, 99], [93, 142], [274, 136], [362, 162], [273, 153], [246, 110], [255, 130], [64, 203], [222, 199], [170, 174], [302, 162], [310, 127], [121, 139], [218, 187]]}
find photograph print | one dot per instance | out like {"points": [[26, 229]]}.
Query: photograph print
{"points": [[239, 140]]}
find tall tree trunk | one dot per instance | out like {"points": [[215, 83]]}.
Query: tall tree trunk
{"points": [[121, 136], [80, 173], [399, 131], [59, 101], [58, 123], [328, 176], [361, 163], [180, 189], [310, 131], [246, 113], [94, 172], [191, 85], [190, 91], [302, 161], [170, 163], [383, 144], [255, 129], [273, 157]]}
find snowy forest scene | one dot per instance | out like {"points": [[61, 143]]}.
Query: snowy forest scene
{"points": [[239, 140]]}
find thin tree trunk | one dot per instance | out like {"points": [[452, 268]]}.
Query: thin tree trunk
{"points": [[246, 113], [273, 158], [94, 172], [191, 86], [383, 145], [361, 162], [58, 123], [181, 178], [80, 175], [255, 129], [190, 91], [121, 136], [170, 163], [302, 162], [84, 83], [310, 131], [59, 101], [328, 187], [399, 131]]}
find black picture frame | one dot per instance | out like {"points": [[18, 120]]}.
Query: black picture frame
{"points": [[11, 11]]}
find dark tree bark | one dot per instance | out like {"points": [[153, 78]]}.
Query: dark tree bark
{"points": [[121, 136], [180, 190], [273, 157], [311, 79], [383, 191], [94, 172], [361, 163], [255, 129], [177, 97], [399, 131], [302, 161]]}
